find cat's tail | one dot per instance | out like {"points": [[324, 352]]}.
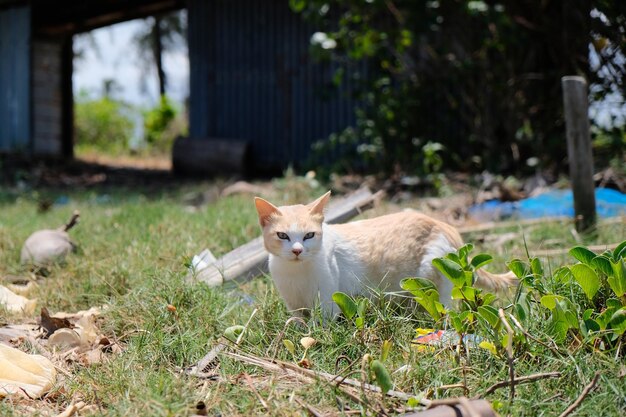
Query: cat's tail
{"points": [[496, 282]]}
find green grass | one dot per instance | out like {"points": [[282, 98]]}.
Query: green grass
{"points": [[132, 257]]}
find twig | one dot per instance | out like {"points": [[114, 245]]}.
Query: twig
{"points": [[523, 380], [280, 336], [71, 409], [308, 374], [309, 408], [254, 390], [451, 386], [245, 328], [582, 396], [73, 221], [528, 335], [509, 352]]}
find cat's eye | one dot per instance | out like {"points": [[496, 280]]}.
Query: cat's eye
{"points": [[282, 235], [309, 235]]}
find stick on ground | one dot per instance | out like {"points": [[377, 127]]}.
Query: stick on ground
{"points": [[582, 396], [522, 380]]}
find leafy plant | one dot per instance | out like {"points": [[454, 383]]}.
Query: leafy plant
{"points": [[102, 123], [352, 309]]}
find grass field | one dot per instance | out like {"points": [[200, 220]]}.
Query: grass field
{"points": [[132, 257]]}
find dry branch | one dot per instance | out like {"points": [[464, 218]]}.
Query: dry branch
{"points": [[582, 396], [309, 375], [522, 380], [250, 260]]}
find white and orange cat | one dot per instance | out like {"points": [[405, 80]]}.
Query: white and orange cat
{"points": [[310, 260]]}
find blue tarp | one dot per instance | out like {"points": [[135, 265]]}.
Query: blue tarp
{"points": [[609, 203]]}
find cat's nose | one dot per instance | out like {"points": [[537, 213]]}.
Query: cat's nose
{"points": [[297, 248]]}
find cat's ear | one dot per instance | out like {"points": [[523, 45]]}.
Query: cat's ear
{"points": [[317, 207], [266, 210]]}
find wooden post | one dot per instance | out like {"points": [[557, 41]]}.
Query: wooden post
{"points": [[576, 109]]}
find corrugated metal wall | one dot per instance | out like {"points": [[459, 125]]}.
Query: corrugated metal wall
{"points": [[15, 79], [252, 78]]}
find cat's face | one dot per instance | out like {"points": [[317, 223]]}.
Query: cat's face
{"points": [[293, 233]]}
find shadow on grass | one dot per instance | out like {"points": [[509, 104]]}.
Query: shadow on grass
{"points": [[54, 181]]}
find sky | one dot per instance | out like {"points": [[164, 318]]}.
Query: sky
{"points": [[110, 53]]}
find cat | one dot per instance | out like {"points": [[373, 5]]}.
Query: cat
{"points": [[310, 260]]}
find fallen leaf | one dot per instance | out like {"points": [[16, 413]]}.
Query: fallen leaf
{"points": [[308, 342], [15, 303], [23, 289], [52, 324], [64, 338], [21, 373]]}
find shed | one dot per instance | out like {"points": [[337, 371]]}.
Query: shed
{"points": [[252, 77]]}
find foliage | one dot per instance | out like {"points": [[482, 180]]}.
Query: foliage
{"points": [[103, 123], [157, 124], [480, 77]]}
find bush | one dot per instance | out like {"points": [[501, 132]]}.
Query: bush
{"points": [[162, 124], [103, 123]]}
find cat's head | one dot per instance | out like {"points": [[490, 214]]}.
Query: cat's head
{"points": [[292, 232]]}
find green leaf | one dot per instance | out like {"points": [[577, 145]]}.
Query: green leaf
{"points": [[617, 280], [429, 299], [602, 263], [454, 258], [346, 304], [481, 260], [586, 278], [488, 346], [549, 301], [620, 251], [518, 267], [465, 250], [563, 275], [451, 270], [297, 5], [535, 266], [412, 284], [359, 322], [385, 349], [489, 314], [361, 307], [489, 298], [583, 254], [233, 332], [383, 378], [464, 293], [290, 346], [618, 321]]}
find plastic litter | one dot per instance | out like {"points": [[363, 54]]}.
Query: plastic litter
{"points": [[609, 203], [431, 338]]}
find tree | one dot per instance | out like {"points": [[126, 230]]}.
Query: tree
{"points": [[480, 77], [161, 33]]}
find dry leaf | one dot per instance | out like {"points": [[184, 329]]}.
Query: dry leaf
{"points": [[52, 324], [308, 342], [64, 338], [22, 373], [23, 289], [16, 303]]}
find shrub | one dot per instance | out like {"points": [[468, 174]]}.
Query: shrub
{"points": [[102, 123]]}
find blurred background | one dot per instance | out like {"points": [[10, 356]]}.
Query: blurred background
{"points": [[391, 87]]}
